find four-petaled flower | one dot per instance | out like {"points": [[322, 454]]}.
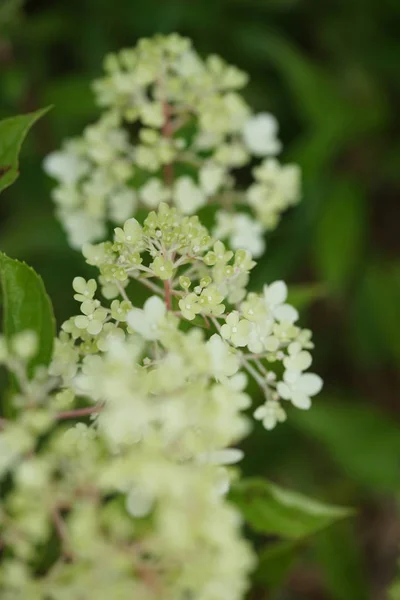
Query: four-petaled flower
{"points": [[131, 234], [235, 329], [260, 135], [85, 289], [162, 267], [298, 359], [148, 322], [93, 317], [190, 306], [270, 413], [299, 387], [275, 296]]}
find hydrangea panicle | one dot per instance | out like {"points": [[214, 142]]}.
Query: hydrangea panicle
{"points": [[124, 448]]}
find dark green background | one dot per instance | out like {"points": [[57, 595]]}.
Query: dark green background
{"points": [[329, 70]]}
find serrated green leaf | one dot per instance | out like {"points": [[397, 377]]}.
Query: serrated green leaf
{"points": [[26, 306], [272, 510], [12, 134]]}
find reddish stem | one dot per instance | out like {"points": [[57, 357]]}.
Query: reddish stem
{"points": [[79, 412], [167, 132], [167, 289]]}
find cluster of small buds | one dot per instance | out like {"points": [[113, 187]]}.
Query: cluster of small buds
{"points": [[195, 131]]}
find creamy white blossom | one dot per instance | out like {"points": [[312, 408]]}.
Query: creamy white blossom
{"points": [[260, 135], [148, 321], [299, 388]]}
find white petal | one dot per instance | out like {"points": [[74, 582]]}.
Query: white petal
{"points": [[65, 167], [227, 456], [259, 134], [155, 309], [270, 421], [286, 313], [291, 377], [238, 382], [294, 348], [301, 400], [271, 343], [137, 321], [284, 390], [138, 503], [276, 293], [94, 327], [298, 362], [79, 284], [260, 412], [223, 482], [310, 384]]}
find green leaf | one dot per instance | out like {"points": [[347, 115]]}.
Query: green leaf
{"points": [[274, 564], [382, 288], [394, 592], [302, 296], [12, 134], [338, 552], [272, 510], [360, 439], [340, 236], [26, 306]]}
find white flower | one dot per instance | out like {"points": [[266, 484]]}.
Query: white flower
{"points": [[260, 135], [242, 231], [211, 178], [131, 233], [270, 414], [275, 295], [122, 205], [147, 322], [299, 387], [298, 359], [25, 344], [248, 234], [85, 289], [82, 228], [188, 197], [153, 192], [261, 337], [235, 329], [66, 167], [138, 502], [224, 362], [93, 318]]}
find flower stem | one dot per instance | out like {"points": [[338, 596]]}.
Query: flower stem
{"points": [[167, 290], [79, 412], [167, 131]]}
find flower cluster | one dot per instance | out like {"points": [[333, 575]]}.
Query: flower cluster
{"points": [[193, 130], [191, 278], [136, 493], [136, 496]]}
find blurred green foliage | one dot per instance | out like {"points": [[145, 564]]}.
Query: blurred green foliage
{"points": [[329, 71]]}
